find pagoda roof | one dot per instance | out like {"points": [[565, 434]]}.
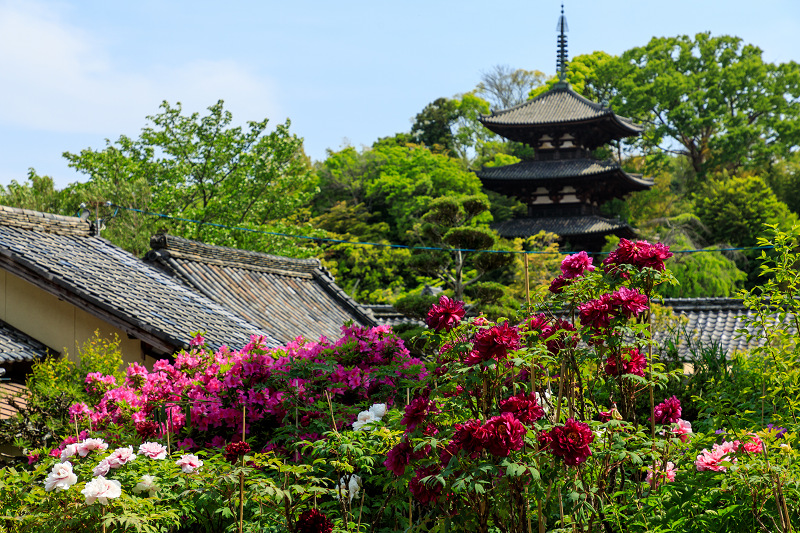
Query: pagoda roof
{"points": [[560, 106], [564, 226], [573, 170]]}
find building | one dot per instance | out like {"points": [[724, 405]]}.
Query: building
{"points": [[287, 297], [564, 185]]}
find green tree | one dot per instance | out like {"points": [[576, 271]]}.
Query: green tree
{"points": [[711, 99], [205, 169], [735, 209], [504, 87], [37, 193]]}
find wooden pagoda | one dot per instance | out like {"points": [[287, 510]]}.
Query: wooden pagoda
{"points": [[564, 185]]}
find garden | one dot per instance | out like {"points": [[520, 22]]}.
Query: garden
{"points": [[576, 415]]}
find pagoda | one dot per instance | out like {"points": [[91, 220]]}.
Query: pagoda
{"points": [[564, 185]]}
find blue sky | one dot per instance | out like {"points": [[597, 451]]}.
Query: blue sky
{"points": [[74, 73]]}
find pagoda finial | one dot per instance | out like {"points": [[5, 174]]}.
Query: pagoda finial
{"points": [[561, 61]]}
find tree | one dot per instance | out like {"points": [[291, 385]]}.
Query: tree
{"points": [[37, 193], [735, 209], [204, 169], [711, 99], [504, 87]]}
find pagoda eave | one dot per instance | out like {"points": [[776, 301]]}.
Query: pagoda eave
{"points": [[570, 228]]}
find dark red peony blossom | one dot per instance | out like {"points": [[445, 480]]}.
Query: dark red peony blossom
{"points": [[401, 455], [545, 440], [417, 411], [570, 442], [234, 450], [632, 362], [628, 302], [668, 411], [524, 407], [575, 265], [429, 491], [604, 416], [596, 314], [558, 284], [147, 429], [640, 254], [313, 521], [504, 434], [471, 437], [445, 315], [494, 343]]}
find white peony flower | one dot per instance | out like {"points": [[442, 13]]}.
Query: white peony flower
{"points": [[147, 484], [364, 417], [101, 489], [102, 468], [69, 451], [348, 487], [379, 410], [60, 477]]}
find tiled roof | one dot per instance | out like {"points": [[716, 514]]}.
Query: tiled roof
{"points": [[387, 314], [59, 255], [560, 105], [16, 347], [562, 226], [710, 320], [287, 297], [572, 169]]}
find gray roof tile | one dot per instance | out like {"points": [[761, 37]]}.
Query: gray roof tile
{"points": [[563, 226], [572, 170], [288, 297], [16, 346], [60, 255]]}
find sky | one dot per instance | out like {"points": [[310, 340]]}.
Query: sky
{"points": [[75, 73]]}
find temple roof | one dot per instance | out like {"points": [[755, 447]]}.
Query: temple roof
{"points": [[17, 347], [576, 170], [562, 226], [287, 297], [560, 106]]}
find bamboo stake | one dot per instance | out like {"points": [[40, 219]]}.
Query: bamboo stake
{"points": [[527, 281], [410, 499], [241, 474]]}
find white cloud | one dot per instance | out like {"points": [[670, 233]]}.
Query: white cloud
{"points": [[57, 77]]}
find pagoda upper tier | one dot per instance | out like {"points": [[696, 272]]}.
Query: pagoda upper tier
{"points": [[560, 120]]}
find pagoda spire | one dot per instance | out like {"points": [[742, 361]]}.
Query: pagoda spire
{"points": [[561, 60]]}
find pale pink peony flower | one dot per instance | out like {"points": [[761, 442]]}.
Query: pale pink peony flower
{"points": [[60, 477], [668, 473], [754, 445], [189, 463], [719, 453], [102, 468], [379, 410], [70, 450], [101, 489], [683, 429], [147, 484], [121, 456], [153, 450], [89, 445], [364, 418]]}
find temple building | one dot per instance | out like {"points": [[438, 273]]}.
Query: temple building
{"points": [[564, 185]]}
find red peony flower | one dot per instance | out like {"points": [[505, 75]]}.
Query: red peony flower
{"points": [[596, 314], [576, 265], [570, 442], [234, 450], [545, 440], [628, 302], [668, 411], [417, 411], [494, 343], [524, 407], [632, 362], [445, 315], [640, 254], [147, 429], [401, 455], [428, 492], [558, 284], [504, 434], [313, 521]]}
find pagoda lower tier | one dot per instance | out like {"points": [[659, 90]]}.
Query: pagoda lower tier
{"points": [[583, 180], [582, 232]]}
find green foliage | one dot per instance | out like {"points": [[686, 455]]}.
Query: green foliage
{"points": [[714, 98], [735, 209], [701, 274], [200, 168], [56, 383]]}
